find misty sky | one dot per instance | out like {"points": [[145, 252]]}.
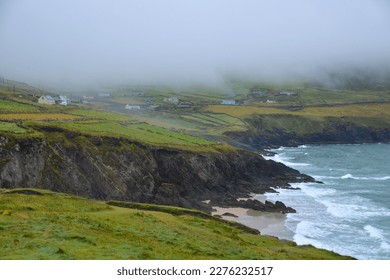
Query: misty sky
{"points": [[187, 41]]}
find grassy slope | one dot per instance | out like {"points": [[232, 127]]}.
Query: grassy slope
{"points": [[361, 107], [311, 119], [59, 226], [17, 117], [212, 122]]}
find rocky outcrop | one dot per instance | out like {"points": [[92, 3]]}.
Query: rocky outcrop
{"points": [[118, 169], [254, 204]]}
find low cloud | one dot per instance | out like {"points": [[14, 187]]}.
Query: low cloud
{"points": [[88, 42]]}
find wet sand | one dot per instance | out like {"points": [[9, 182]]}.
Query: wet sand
{"points": [[266, 222]]}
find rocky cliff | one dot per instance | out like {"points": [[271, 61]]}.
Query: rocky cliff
{"points": [[112, 168], [328, 130]]}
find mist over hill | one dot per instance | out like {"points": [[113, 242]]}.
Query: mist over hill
{"points": [[89, 43]]}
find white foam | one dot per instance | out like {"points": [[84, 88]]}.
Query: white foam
{"points": [[374, 232], [297, 164], [346, 176], [285, 160], [321, 177], [350, 176], [354, 210], [307, 233], [384, 178], [385, 245], [302, 146], [318, 192]]}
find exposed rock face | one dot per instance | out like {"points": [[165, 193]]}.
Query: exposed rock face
{"points": [[329, 131], [108, 168]]}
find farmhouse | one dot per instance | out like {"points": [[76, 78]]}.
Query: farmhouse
{"points": [[46, 99], [228, 102], [171, 99], [132, 107], [62, 100]]}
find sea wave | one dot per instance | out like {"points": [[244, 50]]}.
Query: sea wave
{"points": [[285, 160], [317, 192], [350, 176], [376, 233], [308, 233], [354, 211]]}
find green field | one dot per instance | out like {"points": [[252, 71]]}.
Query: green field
{"points": [[139, 132], [7, 106], [11, 127], [99, 115], [93, 120], [45, 225], [307, 111]]}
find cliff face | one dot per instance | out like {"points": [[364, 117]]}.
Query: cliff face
{"points": [[330, 130], [109, 168]]}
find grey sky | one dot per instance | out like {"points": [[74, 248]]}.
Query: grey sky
{"points": [[151, 41]]}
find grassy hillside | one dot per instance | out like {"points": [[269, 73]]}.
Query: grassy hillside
{"points": [[308, 110], [20, 115], [38, 224]]}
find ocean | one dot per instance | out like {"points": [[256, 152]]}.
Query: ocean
{"points": [[350, 212]]}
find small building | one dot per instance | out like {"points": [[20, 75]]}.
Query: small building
{"points": [[63, 100], [171, 99], [132, 107], [46, 99], [271, 101], [228, 102]]}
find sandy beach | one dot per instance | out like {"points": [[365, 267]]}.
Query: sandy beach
{"points": [[266, 222]]}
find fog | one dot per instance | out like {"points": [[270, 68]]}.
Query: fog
{"points": [[86, 42]]}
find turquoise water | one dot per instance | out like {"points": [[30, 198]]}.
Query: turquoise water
{"points": [[350, 212]]}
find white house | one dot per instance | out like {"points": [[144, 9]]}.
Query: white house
{"points": [[228, 102], [132, 107], [46, 99], [63, 100], [171, 99]]}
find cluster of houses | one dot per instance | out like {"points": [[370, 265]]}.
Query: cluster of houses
{"points": [[50, 100], [64, 100]]}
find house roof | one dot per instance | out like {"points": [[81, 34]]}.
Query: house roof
{"points": [[49, 97]]}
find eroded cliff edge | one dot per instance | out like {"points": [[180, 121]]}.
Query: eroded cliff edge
{"points": [[114, 168]]}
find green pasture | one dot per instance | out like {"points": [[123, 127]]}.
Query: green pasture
{"points": [[37, 224], [142, 133], [98, 114], [11, 127]]}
